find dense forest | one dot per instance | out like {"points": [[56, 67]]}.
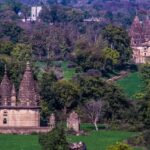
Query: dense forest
{"points": [[61, 41]]}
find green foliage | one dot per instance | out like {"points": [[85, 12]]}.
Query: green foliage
{"points": [[66, 94], [147, 138], [91, 88], [15, 5], [116, 104], [57, 13], [111, 58], [89, 59], [20, 54], [10, 30], [46, 85], [120, 146], [6, 47], [54, 140], [145, 73], [111, 55], [118, 39]]}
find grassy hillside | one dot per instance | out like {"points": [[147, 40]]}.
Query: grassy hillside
{"points": [[132, 84]]}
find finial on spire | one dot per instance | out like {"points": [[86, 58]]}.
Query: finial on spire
{"points": [[28, 66], [5, 72]]}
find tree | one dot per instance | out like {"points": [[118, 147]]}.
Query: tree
{"points": [[15, 5], [54, 140], [91, 87], [118, 39], [20, 54], [93, 109], [66, 94], [46, 88], [145, 73], [144, 109], [116, 104], [10, 30], [111, 57], [6, 47]]}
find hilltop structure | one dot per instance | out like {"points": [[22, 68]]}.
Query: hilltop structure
{"points": [[35, 13], [140, 40], [19, 109]]}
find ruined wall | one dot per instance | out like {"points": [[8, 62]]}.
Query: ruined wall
{"points": [[19, 118]]}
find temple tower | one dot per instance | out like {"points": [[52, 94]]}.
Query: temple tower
{"points": [[136, 32], [5, 89], [22, 111], [28, 95]]}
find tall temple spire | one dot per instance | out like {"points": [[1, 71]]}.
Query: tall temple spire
{"points": [[136, 32], [28, 95], [5, 88]]}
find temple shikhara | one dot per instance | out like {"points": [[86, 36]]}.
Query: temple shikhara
{"points": [[19, 109], [140, 40]]}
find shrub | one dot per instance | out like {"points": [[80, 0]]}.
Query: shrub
{"points": [[120, 146], [54, 140]]}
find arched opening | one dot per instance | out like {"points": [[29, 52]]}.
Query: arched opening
{"points": [[4, 121]]}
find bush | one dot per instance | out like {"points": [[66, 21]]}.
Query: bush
{"points": [[120, 146], [54, 140]]}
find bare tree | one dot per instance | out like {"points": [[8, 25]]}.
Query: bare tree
{"points": [[93, 109]]}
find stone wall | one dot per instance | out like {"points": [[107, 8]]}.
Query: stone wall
{"points": [[19, 118], [25, 130]]}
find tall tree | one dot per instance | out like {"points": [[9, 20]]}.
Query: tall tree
{"points": [[118, 39], [66, 94]]}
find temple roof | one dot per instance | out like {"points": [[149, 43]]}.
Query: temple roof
{"points": [[5, 88], [136, 27], [28, 95]]}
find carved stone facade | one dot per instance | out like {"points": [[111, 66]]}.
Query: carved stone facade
{"points": [[140, 40], [73, 122], [22, 109]]}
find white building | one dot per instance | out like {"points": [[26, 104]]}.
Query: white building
{"points": [[35, 12]]}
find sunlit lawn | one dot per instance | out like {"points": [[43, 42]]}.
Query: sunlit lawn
{"points": [[94, 140], [132, 84]]}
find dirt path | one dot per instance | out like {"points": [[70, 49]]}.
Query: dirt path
{"points": [[121, 75]]}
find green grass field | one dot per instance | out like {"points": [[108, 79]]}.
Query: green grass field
{"points": [[68, 72], [131, 84], [102, 139], [94, 140]]}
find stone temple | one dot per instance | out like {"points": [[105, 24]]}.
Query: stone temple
{"points": [[19, 109], [140, 40]]}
